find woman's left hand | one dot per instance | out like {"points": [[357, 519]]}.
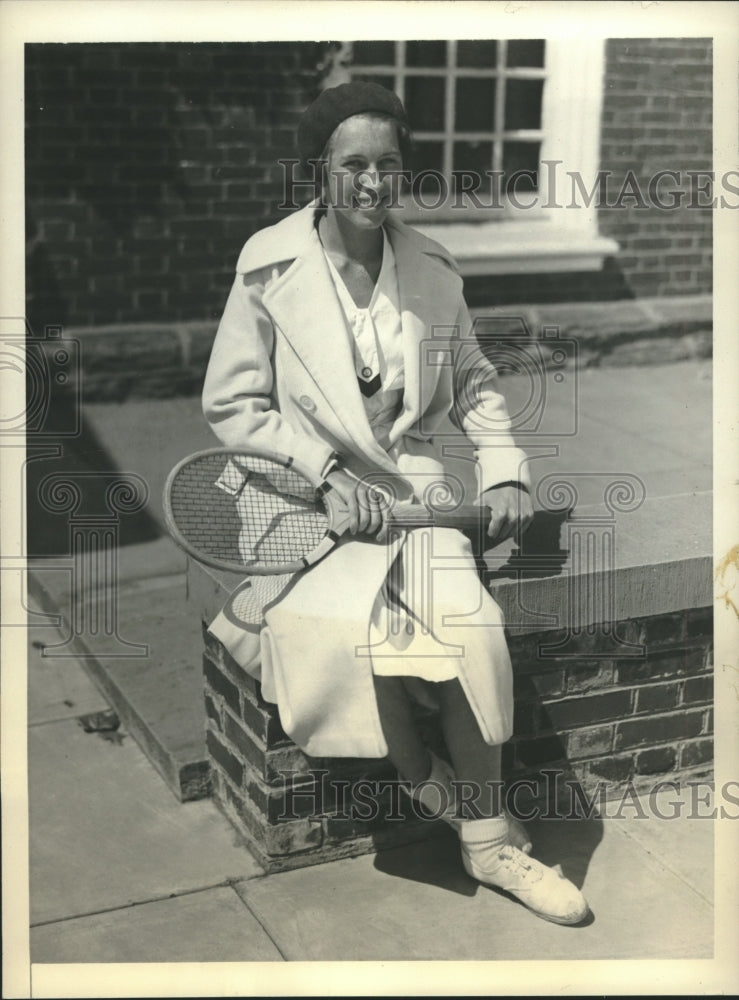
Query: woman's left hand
{"points": [[511, 510]]}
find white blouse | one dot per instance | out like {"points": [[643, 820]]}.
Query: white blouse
{"points": [[378, 351], [378, 343]]}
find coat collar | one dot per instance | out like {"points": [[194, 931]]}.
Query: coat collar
{"points": [[288, 238], [303, 302]]}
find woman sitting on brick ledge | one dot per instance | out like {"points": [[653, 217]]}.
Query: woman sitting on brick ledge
{"points": [[321, 354]]}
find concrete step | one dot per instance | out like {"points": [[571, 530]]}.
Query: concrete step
{"points": [[149, 668]]}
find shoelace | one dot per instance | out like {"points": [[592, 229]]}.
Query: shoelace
{"points": [[519, 864]]}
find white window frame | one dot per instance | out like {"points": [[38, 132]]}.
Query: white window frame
{"points": [[557, 232]]}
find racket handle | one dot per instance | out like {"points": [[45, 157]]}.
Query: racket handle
{"points": [[419, 516]]}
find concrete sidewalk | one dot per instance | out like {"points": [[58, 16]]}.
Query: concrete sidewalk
{"points": [[121, 872]]}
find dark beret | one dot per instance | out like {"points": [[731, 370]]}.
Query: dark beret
{"points": [[335, 105]]}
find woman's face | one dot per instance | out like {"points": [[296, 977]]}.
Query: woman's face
{"points": [[363, 163]]}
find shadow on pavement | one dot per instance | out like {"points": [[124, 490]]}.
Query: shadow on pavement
{"points": [[570, 843], [431, 862], [69, 478]]}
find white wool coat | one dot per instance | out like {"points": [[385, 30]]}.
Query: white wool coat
{"points": [[282, 377]]}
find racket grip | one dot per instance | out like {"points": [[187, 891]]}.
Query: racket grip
{"points": [[419, 516]]}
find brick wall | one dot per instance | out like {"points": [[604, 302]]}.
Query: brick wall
{"points": [[148, 165], [276, 812], [657, 116], [595, 715], [605, 716]]}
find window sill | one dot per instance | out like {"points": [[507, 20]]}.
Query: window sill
{"points": [[519, 247]]}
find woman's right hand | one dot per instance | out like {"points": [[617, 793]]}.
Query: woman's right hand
{"points": [[367, 507]]}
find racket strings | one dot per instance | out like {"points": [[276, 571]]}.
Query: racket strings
{"points": [[248, 510]]}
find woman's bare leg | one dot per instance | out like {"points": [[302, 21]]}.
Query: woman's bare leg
{"points": [[473, 759], [405, 749]]}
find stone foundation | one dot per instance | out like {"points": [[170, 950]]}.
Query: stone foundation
{"points": [[159, 360]]}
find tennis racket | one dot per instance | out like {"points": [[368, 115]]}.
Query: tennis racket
{"points": [[251, 513]]}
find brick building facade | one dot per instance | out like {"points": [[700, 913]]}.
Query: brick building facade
{"points": [[148, 165], [657, 116]]}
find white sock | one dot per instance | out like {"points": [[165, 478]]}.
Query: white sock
{"points": [[484, 833]]}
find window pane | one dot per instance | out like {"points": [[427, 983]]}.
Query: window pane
{"points": [[424, 102], [522, 156], [523, 103], [427, 156], [525, 52], [482, 55], [425, 53], [474, 107], [474, 157], [374, 53]]}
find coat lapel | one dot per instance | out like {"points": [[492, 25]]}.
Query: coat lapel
{"points": [[429, 302], [305, 305]]}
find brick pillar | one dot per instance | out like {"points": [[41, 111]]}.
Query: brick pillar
{"points": [[599, 723], [603, 714], [291, 809]]}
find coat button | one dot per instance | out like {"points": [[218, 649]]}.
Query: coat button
{"points": [[366, 372], [307, 403]]}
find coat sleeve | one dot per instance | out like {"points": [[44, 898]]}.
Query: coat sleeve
{"points": [[238, 400], [479, 410]]}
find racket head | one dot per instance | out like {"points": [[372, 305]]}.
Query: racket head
{"points": [[247, 512]]}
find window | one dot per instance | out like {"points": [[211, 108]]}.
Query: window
{"points": [[500, 111], [475, 105]]}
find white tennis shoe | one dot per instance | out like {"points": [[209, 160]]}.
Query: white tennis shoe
{"points": [[496, 852], [545, 891]]}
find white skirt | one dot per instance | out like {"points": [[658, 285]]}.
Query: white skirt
{"points": [[405, 636]]}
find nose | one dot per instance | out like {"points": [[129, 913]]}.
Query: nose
{"points": [[371, 180]]}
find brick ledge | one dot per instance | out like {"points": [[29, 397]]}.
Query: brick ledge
{"points": [[601, 707], [658, 568]]}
